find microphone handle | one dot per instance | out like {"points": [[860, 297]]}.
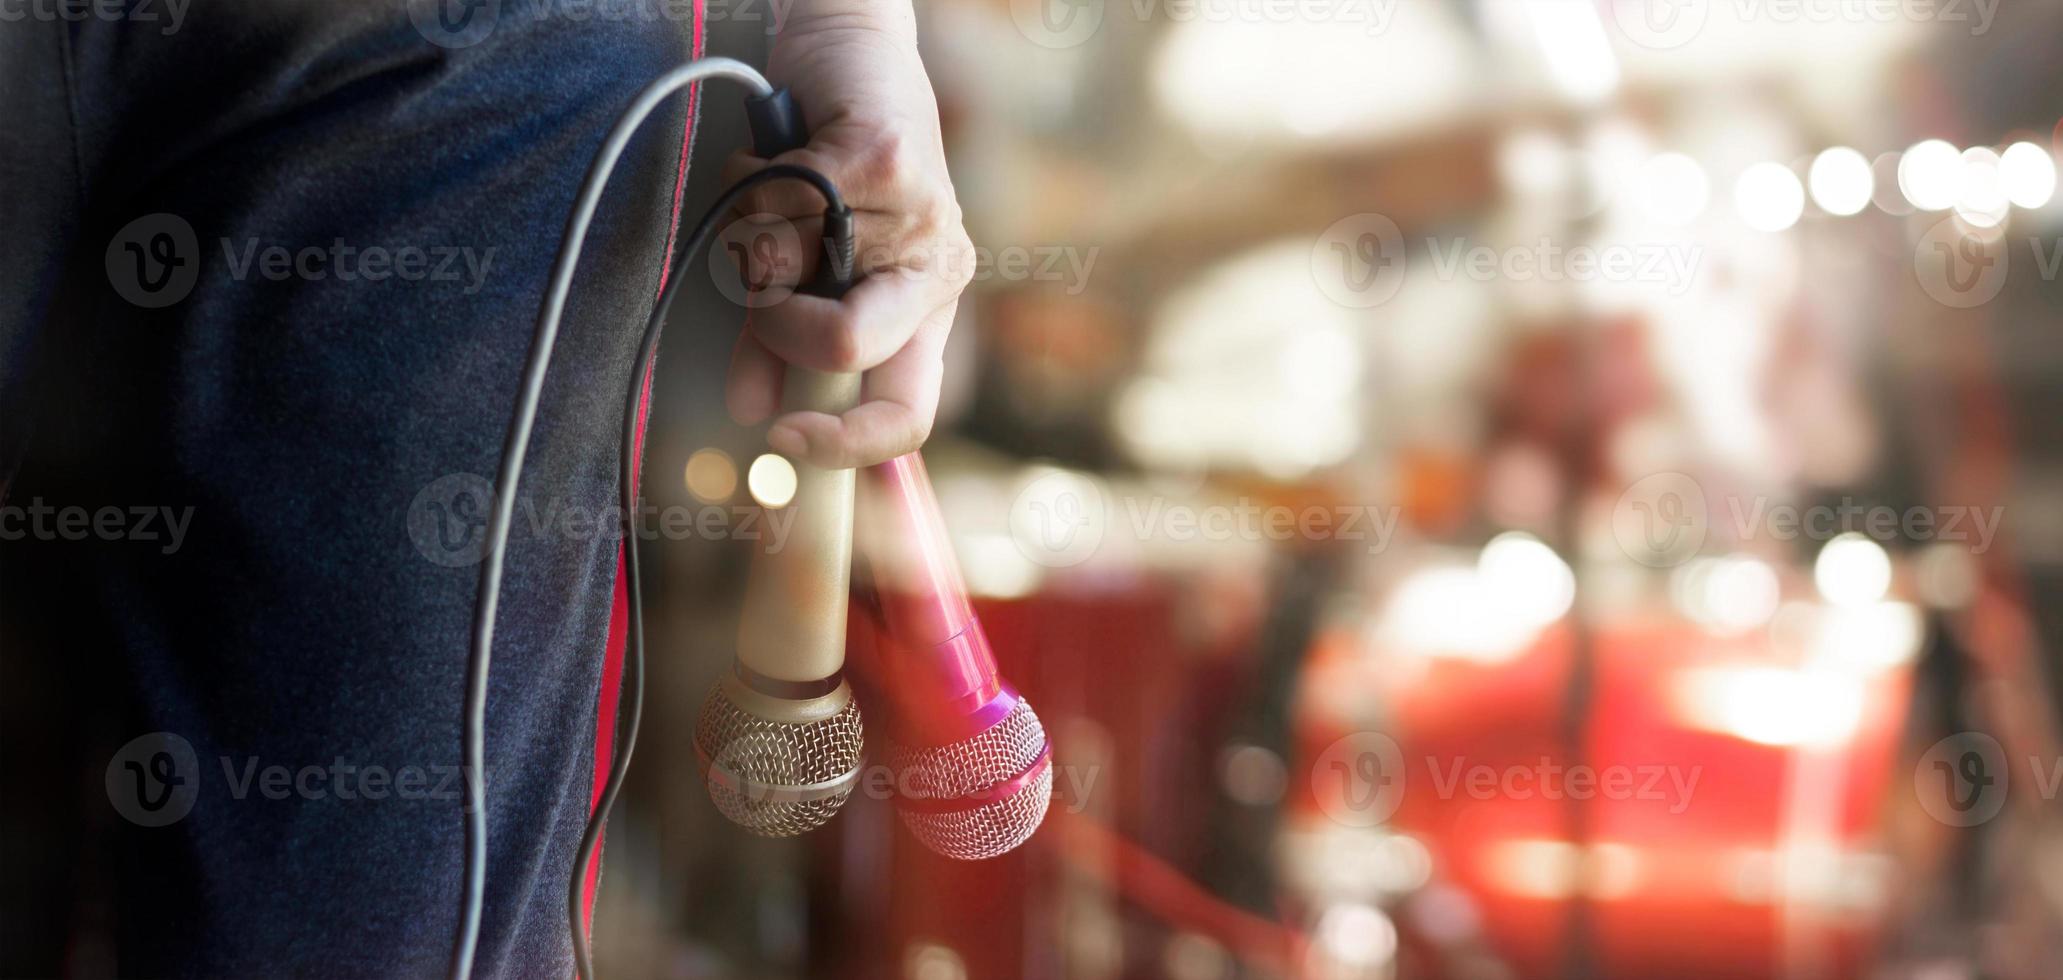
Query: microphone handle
{"points": [[793, 625], [933, 661]]}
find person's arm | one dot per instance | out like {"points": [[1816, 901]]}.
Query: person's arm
{"points": [[853, 67]]}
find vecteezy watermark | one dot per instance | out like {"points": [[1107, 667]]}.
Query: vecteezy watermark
{"points": [[1660, 23], [1360, 261], [155, 261], [1358, 780], [1546, 779], [464, 23], [1960, 270], [47, 522], [341, 780], [1966, 779], [448, 521], [454, 23], [1661, 520], [155, 780], [1061, 519], [1069, 23], [1757, 517], [1962, 780], [167, 14], [1665, 24], [1245, 519], [769, 15], [344, 262], [1963, 267], [1058, 518], [1072, 784], [1361, 779], [1670, 266], [758, 259], [1064, 265]]}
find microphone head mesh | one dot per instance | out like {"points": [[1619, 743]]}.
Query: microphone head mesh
{"points": [[761, 771], [972, 766]]}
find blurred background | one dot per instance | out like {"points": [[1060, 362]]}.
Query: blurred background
{"points": [[1479, 490]]}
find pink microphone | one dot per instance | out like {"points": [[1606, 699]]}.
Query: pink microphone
{"points": [[971, 764]]}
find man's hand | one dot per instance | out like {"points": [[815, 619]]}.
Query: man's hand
{"points": [[853, 67]]}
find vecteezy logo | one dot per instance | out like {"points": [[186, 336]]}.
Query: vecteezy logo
{"points": [[1663, 519], [1057, 23], [1961, 780], [1359, 260], [1958, 268], [1359, 780], [1660, 24], [454, 23], [153, 780], [1057, 520], [154, 261], [1660, 520], [448, 519], [756, 265], [1967, 771], [758, 256]]}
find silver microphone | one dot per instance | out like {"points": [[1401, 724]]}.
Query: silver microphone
{"points": [[779, 738]]}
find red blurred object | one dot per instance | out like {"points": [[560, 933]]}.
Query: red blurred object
{"points": [[1719, 857]]}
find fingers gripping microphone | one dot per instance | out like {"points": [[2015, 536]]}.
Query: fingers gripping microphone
{"points": [[971, 764]]}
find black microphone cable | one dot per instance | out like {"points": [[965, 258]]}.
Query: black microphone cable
{"points": [[838, 231], [634, 672]]}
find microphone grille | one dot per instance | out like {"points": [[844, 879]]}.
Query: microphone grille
{"points": [[767, 776], [974, 765]]}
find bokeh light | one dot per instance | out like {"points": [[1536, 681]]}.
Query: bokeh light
{"points": [[1930, 175], [1841, 181], [1982, 201], [2028, 173], [1852, 570], [1769, 197], [772, 481], [711, 477]]}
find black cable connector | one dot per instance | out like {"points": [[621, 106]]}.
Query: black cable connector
{"points": [[777, 123], [778, 127], [834, 276]]}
